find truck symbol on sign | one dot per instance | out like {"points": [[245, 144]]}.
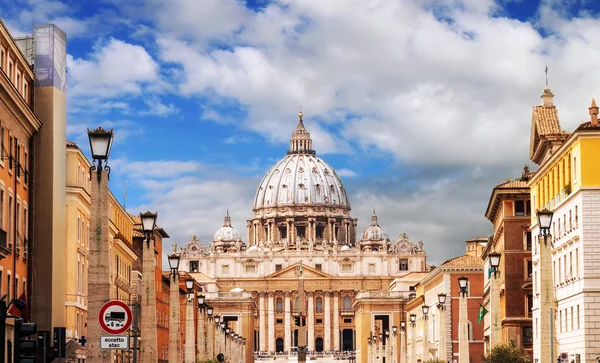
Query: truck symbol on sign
{"points": [[114, 316]]}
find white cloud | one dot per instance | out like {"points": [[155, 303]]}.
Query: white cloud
{"points": [[157, 169], [347, 173], [115, 68]]}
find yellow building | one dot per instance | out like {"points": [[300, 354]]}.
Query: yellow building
{"points": [[567, 183], [122, 256]]}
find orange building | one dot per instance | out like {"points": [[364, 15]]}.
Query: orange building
{"points": [[18, 124]]}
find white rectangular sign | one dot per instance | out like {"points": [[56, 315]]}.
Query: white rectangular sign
{"points": [[118, 342]]}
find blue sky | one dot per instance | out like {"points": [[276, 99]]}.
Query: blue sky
{"points": [[421, 106]]}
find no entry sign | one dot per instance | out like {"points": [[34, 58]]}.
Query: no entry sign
{"points": [[115, 317]]}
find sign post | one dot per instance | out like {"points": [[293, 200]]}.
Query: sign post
{"points": [[115, 318]]}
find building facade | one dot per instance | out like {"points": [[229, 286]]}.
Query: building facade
{"points": [[437, 335], [301, 215], [566, 183], [18, 124], [509, 210]]}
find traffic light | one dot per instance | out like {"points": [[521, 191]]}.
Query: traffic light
{"points": [[25, 345], [82, 341], [297, 320], [303, 320], [60, 341]]}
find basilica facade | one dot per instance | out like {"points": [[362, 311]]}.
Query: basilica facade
{"points": [[301, 216]]}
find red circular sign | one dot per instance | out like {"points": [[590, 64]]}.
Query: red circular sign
{"points": [[115, 317]]}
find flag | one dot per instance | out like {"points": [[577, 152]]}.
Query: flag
{"points": [[482, 312], [24, 313]]}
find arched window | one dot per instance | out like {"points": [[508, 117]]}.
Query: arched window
{"points": [[279, 345], [319, 344], [279, 305], [347, 303], [469, 331], [319, 305]]}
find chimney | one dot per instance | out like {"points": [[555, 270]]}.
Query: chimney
{"points": [[594, 113]]}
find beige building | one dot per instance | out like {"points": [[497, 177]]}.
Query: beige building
{"points": [[301, 215]]}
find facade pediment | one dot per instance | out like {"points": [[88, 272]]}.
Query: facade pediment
{"points": [[290, 273]]}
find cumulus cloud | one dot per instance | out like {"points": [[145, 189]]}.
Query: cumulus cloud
{"points": [[115, 68]]}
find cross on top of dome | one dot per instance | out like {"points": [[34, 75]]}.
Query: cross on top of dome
{"points": [[301, 143]]}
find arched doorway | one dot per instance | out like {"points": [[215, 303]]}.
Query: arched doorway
{"points": [[279, 345], [319, 344]]}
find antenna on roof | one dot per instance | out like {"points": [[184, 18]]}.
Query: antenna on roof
{"points": [[546, 70], [124, 195]]}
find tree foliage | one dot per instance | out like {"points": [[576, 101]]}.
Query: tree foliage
{"points": [[507, 354]]}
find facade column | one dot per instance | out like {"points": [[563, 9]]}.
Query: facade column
{"points": [[287, 340], [271, 312], [402, 346], [249, 233], [327, 322], [336, 321], [288, 231], [311, 322], [201, 339], [495, 326], [190, 342], [262, 323], [268, 231], [463, 336]]}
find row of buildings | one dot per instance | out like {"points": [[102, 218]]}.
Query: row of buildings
{"points": [[45, 206]]}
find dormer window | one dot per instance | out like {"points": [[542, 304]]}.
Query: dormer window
{"points": [[194, 266]]}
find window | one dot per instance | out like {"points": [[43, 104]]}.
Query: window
{"points": [[11, 142], [403, 264], [372, 268], [529, 304], [319, 321], [527, 335], [572, 325], [578, 326], [250, 269], [10, 221], [8, 284], [2, 208], [347, 320], [318, 267], [17, 287], [528, 241], [319, 305], [529, 268], [347, 303], [279, 305], [560, 320], [279, 321], [574, 168], [193, 266], [25, 222], [225, 269], [576, 218], [346, 267], [278, 267], [519, 207], [283, 232]]}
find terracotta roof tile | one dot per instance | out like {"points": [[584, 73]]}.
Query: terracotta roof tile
{"points": [[588, 126], [546, 118], [463, 261], [512, 184], [71, 144]]}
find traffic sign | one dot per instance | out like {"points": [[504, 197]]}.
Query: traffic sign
{"points": [[115, 317], [117, 342]]}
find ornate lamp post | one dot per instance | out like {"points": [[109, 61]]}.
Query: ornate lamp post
{"points": [[174, 323], [99, 260], [388, 348], [413, 350], [394, 343], [463, 336], [380, 354], [495, 328], [546, 302], [402, 341], [370, 351], [442, 330], [190, 346], [149, 340], [201, 339], [425, 356]]}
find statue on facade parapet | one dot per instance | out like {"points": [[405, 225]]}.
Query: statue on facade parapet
{"points": [[174, 246], [270, 245], [420, 245], [335, 243], [310, 244], [285, 244], [261, 245]]}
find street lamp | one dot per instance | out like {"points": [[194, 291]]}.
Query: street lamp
{"points": [[403, 325], [413, 344], [425, 309], [442, 329], [546, 311], [495, 328], [174, 322], [190, 348], [394, 330], [463, 342], [100, 145], [148, 224], [209, 312]]}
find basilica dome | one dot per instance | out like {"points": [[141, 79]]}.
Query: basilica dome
{"points": [[227, 233], [374, 232], [301, 178]]}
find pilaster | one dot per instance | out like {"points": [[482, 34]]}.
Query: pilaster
{"points": [[336, 320], [327, 321], [311, 321], [262, 323], [271, 320], [287, 340]]}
